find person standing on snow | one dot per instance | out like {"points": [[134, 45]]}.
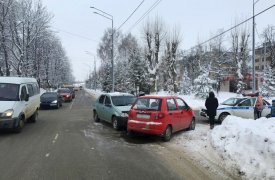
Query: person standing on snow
{"points": [[211, 105], [259, 106]]}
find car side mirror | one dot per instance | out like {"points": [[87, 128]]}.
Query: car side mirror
{"points": [[108, 105], [27, 97]]}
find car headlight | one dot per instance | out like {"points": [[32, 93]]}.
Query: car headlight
{"points": [[54, 102], [7, 114]]}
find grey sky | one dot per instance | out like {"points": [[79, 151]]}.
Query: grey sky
{"points": [[197, 19]]}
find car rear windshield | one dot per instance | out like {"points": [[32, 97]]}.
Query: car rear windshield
{"points": [[152, 104], [49, 95], [9, 92], [123, 100], [64, 90]]}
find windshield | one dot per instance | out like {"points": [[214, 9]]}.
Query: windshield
{"points": [[123, 100], [148, 104], [49, 95], [9, 92], [233, 101]]}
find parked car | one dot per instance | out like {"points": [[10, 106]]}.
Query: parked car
{"points": [[239, 106], [51, 99], [66, 94], [160, 115], [19, 102], [114, 108], [80, 87]]}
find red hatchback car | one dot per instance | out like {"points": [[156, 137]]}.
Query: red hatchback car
{"points": [[160, 115], [66, 94]]}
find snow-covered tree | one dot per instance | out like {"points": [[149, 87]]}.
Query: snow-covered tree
{"points": [[185, 84], [203, 84], [268, 86]]}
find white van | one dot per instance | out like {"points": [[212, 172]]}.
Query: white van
{"points": [[19, 102]]}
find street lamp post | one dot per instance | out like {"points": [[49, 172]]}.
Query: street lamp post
{"points": [[110, 17]]}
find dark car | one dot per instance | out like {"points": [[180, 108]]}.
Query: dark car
{"points": [[66, 94], [50, 99]]}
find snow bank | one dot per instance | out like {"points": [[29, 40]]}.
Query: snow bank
{"points": [[95, 93], [247, 145]]}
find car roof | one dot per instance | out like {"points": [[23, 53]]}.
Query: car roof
{"points": [[159, 96], [17, 80], [118, 94]]}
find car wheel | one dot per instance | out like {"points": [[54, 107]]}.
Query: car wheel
{"points": [[192, 124], [223, 116], [20, 125], [33, 118], [115, 123], [167, 134], [96, 119], [268, 116]]}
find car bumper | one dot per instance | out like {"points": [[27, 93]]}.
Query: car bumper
{"points": [[48, 104], [8, 123], [122, 121], [156, 128]]}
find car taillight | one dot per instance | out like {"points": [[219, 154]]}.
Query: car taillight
{"points": [[159, 116], [68, 95], [130, 114]]}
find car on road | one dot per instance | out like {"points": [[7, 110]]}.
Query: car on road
{"points": [[113, 108], [19, 102], [51, 99], [160, 115], [239, 106], [71, 88], [66, 94]]}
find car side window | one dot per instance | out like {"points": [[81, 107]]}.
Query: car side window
{"points": [[247, 102], [30, 90], [23, 93], [101, 99], [181, 104], [171, 105], [107, 100]]}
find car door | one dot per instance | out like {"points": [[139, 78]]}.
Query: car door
{"points": [[174, 114], [100, 107], [108, 109], [245, 109], [31, 102], [184, 117], [266, 109]]}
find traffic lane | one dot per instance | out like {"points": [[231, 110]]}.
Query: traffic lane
{"points": [[21, 153]]}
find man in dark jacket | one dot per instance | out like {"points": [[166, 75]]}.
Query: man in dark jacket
{"points": [[211, 105]]}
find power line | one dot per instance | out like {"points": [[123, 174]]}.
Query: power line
{"points": [[130, 15], [233, 27], [76, 35], [145, 14]]}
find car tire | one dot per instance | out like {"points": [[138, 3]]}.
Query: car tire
{"points": [[20, 126], [167, 134], [115, 123], [33, 118], [223, 116], [192, 124], [96, 119], [268, 116]]}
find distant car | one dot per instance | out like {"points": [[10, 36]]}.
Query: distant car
{"points": [[66, 94], [50, 99], [114, 108], [71, 88], [80, 87], [160, 115], [239, 106]]}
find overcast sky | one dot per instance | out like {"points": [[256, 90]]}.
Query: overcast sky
{"points": [[80, 29]]}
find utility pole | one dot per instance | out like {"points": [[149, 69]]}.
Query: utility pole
{"points": [[253, 50]]}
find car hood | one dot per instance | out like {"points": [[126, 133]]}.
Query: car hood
{"points": [[5, 105], [123, 108]]}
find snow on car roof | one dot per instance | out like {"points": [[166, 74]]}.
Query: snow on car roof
{"points": [[119, 94], [17, 80]]}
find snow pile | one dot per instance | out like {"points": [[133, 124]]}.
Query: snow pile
{"points": [[247, 145], [92, 92]]}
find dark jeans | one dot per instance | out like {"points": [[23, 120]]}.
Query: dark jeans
{"points": [[212, 120], [258, 114]]}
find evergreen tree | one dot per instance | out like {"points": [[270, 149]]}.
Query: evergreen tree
{"points": [[203, 84], [186, 84], [268, 86]]}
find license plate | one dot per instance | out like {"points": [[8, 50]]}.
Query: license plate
{"points": [[143, 116]]}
